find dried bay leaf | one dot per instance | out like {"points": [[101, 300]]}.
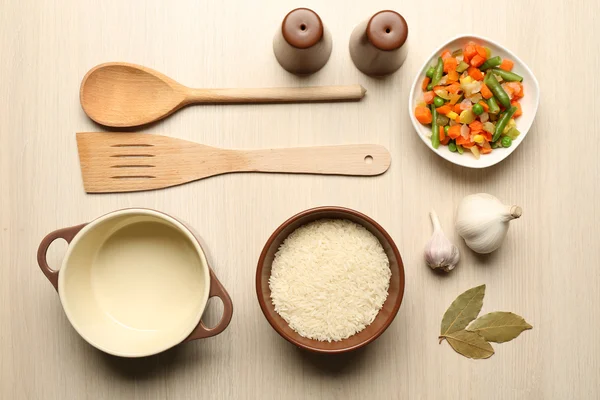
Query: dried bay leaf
{"points": [[470, 344], [499, 326], [463, 310]]}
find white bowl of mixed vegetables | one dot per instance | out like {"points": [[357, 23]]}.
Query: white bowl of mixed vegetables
{"points": [[473, 102]]}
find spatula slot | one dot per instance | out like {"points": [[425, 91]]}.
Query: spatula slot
{"points": [[134, 177], [132, 155], [132, 166], [132, 145]]}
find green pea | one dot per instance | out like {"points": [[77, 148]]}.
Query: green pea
{"points": [[430, 72], [452, 147], [438, 101], [477, 109], [430, 86], [446, 129], [506, 141]]}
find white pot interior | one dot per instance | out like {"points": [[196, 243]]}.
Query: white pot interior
{"points": [[134, 283]]}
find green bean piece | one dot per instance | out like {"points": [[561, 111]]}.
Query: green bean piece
{"points": [[462, 67], [506, 142], [493, 105], [502, 123], [439, 71], [508, 76], [435, 131], [430, 86], [430, 72], [452, 147], [438, 101], [493, 84], [491, 63], [459, 148], [496, 144]]}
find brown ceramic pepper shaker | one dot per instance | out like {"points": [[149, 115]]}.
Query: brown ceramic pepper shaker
{"points": [[378, 45], [302, 44]]}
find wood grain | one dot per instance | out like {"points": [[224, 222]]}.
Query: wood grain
{"points": [[125, 95], [546, 271], [114, 162]]}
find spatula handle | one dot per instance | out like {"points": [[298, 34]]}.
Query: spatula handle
{"points": [[359, 159], [276, 95]]}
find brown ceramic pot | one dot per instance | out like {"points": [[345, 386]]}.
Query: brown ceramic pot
{"points": [[386, 314], [135, 282], [378, 45], [302, 45]]}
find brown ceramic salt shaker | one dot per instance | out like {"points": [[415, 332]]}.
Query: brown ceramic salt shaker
{"points": [[378, 45], [302, 45]]}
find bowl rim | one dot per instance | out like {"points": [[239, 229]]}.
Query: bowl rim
{"points": [[517, 59], [261, 261]]}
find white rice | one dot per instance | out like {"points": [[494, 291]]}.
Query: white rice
{"points": [[329, 279]]}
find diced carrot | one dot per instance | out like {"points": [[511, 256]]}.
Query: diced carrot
{"points": [[486, 92], [445, 141], [442, 133], [521, 93], [507, 64], [486, 135], [481, 51], [466, 58], [454, 97], [475, 73], [477, 60], [509, 90], [457, 108], [483, 104], [453, 88], [519, 111], [428, 97], [476, 126], [485, 150], [457, 119], [452, 76], [439, 88], [450, 64], [468, 145], [445, 109], [454, 131], [425, 83], [461, 140], [446, 54], [423, 115], [470, 50]]}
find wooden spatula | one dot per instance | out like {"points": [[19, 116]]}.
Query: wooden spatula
{"points": [[128, 162]]}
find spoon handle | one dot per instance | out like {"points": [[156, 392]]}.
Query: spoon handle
{"points": [[276, 95]]}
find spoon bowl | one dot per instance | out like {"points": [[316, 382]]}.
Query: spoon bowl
{"points": [[124, 95], [121, 95]]}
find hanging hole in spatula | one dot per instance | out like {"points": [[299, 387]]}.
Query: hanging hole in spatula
{"points": [[369, 160]]}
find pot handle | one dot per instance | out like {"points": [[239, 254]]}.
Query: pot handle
{"points": [[65, 233], [216, 289]]}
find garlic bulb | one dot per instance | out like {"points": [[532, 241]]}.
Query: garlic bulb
{"points": [[482, 220], [440, 253]]}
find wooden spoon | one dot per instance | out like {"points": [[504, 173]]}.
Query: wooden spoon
{"points": [[127, 162], [123, 95]]}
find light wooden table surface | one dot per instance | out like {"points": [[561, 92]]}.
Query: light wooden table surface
{"points": [[547, 271]]}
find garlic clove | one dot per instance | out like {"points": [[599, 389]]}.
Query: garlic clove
{"points": [[440, 253]]}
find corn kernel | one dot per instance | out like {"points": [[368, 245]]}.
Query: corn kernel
{"points": [[452, 115], [478, 139]]}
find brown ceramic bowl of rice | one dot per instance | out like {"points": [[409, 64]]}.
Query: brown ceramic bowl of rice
{"points": [[367, 236]]}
